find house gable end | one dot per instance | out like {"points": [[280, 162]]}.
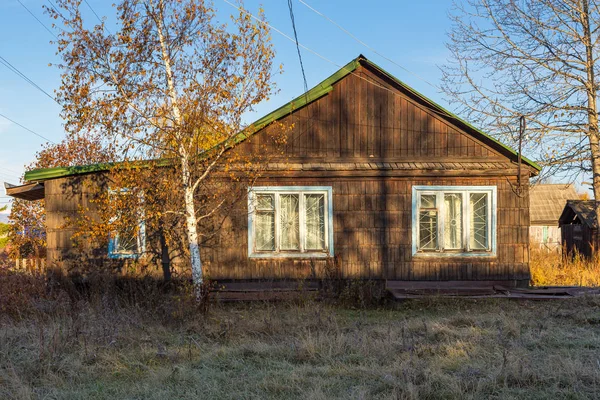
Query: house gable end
{"points": [[369, 116]]}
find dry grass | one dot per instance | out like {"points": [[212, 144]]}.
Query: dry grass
{"points": [[105, 345], [551, 269]]}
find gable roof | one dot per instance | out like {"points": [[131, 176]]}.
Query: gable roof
{"points": [[547, 201], [583, 210], [320, 90]]}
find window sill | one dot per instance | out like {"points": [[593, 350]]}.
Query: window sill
{"points": [[437, 254], [122, 256], [290, 255]]}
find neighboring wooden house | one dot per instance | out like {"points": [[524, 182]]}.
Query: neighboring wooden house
{"points": [[546, 204], [579, 226], [374, 176]]}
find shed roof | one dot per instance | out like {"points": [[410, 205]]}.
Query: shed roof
{"points": [[582, 211], [547, 201], [320, 90]]}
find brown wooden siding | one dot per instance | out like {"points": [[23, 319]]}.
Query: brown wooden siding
{"points": [[359, 120], [579, 238], [372, 237]]}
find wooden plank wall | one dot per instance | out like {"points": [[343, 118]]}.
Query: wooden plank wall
{"points": [[64, 198], [372, 215], [359, 120], [372, 237], [579, 238], [372, 234]]}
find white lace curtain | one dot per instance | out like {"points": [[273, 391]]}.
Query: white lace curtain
{"points": [[478, 204], [453, 229], [289, 232]]}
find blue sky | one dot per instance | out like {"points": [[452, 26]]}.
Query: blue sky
{"points": [[412, 33]]}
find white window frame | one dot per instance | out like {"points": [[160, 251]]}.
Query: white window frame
{"points": [[439, 192], [277, 191], [113, 238]]}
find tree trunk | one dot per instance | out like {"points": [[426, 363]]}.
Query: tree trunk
{"points": [[191, 225], [592, 103], [188, 188], [164, 256]]}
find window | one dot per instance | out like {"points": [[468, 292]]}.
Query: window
{"points": [[454, 220], [290, 221], [128, 236]]}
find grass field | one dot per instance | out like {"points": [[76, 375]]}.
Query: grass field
{"points": [[107, 347], [551, 269]]}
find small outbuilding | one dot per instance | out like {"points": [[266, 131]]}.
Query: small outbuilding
{"points": [[579, 227], [546, 204]]}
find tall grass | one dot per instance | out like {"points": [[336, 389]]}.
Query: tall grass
{"points": [[552, 269], [111, 339]]}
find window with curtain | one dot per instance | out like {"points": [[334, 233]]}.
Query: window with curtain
{"points": [[290, 221], [454, 220], [128, 236]]}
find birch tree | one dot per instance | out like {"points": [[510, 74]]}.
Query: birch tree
{"points": [[536, 58], [165, 81]]}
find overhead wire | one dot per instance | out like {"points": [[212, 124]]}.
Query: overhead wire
{"points": [[444, 114], [10, 170], [15, 70], [291, 8], [347, 32], [97, 16], [37, 19], [27, 129]]}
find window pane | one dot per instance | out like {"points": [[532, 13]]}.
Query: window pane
{"points": [[453, 221], [428, 201], [479, 221], [290, 222], [264, 231], [265, 202], [126, 239], [428, 230], [315, 221]]}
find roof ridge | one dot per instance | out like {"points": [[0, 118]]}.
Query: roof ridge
{"points": [[321, 89]]}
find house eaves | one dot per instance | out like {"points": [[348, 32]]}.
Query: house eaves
{"points": [[320, 90]]}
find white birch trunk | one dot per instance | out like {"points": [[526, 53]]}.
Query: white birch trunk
{"points": [[186, 176], [192, 228]]}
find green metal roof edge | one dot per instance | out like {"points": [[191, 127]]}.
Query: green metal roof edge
{"points": [[42, 174], [452, 115], [318, 91], [313, 94]]}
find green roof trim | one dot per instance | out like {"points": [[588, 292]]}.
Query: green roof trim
{"points": [[43, 174], [451, 115], [320, 90], [313, 94]]}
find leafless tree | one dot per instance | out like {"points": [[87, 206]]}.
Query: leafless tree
{"points": [[536, 58]]}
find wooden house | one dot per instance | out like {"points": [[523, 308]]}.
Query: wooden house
{"points": [[374, 177], [546, 204], [579, 227]]}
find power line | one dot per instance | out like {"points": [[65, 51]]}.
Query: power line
{"points": [[37, 19], [98, 17], [24, 77], [366, 45], [27, 129], [10, 170], [290, 6], [6, 176], [444, 114]]}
